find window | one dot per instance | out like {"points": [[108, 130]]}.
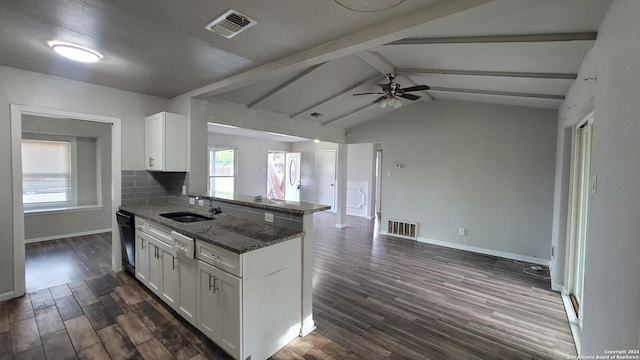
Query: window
{"points": [[48, 176], [222, 172]]}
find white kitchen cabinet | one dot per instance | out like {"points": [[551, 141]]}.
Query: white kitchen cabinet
{"points": [[154, 278], [165, 142], [187, 276], [249, 304], [142, 258], [218, 312]]}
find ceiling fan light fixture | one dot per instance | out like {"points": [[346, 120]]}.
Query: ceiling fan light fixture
{"points": [[368, 5], [383, 103], [395, 102], [75, 52]]}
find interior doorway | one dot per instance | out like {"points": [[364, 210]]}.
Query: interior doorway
{"points": [[580, 213], [74, 207], [326, 178]]}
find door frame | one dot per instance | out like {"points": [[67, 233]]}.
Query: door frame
{"points": [[574, 213], [19, 284]]}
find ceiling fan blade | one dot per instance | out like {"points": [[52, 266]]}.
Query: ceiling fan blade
{"points": [[410, 96], [416, 88], [369, 93], [380, 99]]}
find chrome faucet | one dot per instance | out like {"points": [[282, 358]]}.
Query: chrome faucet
{"points": [[212, 209]]}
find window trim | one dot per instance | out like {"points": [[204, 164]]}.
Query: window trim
{"points": [[73, 186], [235, 168]]}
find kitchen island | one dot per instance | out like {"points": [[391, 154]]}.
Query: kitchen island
{"points": [[236, 280], [293, 214]]}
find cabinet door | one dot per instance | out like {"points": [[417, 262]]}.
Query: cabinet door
{"points": [[169, 277], [218, 307], [187, 289], [155, 268], [142, 259], [154, 142]]}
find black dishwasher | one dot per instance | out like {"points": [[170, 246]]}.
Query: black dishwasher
{"points": [[127, 225]]}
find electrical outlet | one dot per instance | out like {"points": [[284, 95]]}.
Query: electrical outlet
{"points": [[184, 189], [192, 201], [268, 217], [389, 173], [201, 202], [462, 232]]}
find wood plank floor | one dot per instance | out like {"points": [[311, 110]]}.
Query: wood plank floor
{"points": [[374, 298], [57, 262]]}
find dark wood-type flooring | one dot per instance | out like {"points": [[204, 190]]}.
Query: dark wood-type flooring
{"points": [[375, 297]]}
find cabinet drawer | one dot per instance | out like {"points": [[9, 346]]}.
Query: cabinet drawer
{"points": [[160, 232], [219, 257]]}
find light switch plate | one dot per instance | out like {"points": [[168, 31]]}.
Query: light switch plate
{"points": [[201, 202], [192, 201]]}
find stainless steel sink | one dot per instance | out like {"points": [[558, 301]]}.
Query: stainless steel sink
{"points": [[186, 217]]}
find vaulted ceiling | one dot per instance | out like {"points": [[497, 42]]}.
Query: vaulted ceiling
{"points": [[307, 56]]}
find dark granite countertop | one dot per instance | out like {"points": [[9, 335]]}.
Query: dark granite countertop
{"points": [[229, 232], [294, 207]]}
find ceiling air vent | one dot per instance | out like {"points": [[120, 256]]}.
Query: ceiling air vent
{"points": [[316, 114], [230, 24]]}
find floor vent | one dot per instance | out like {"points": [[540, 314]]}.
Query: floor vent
{"points": [[403, 229], [230, 24]]}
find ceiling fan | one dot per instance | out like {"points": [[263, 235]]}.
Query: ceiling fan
{"points": [[392, 91]]}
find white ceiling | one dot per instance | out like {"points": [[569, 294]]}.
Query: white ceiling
{"points": [[319, 49]]}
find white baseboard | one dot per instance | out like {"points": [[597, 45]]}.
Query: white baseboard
{"points": [[480, 250], [7, 296], [56, 237]]}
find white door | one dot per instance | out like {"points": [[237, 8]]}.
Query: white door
{"points": [[292, 177], [326, 178]]}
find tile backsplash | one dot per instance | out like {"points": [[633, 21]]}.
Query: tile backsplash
{"points": [[143, 187]]}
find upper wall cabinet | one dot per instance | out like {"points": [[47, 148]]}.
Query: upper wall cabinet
{"points": [[165, 142]]}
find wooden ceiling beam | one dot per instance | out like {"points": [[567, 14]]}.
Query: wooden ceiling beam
{"points": [[532, 75], [382, 33], [333, 97], [581, 36], [265, 98], [501, 93]]}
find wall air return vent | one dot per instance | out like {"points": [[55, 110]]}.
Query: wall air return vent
{"points": [[230, 24], [403, 229]]}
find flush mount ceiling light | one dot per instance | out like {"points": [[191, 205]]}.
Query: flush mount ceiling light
{"points": [[368, 5], [75, 52]]}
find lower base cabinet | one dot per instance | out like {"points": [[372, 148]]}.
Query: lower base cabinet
{"points": [[186, 302], [219, 298], [248, 304]]}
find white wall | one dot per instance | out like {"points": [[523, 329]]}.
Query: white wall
{"points": [[229, 113], [486, 168], [251, 156], [361, 180], [307, 150], [93, 140], [33, 89], [612, 271]]}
